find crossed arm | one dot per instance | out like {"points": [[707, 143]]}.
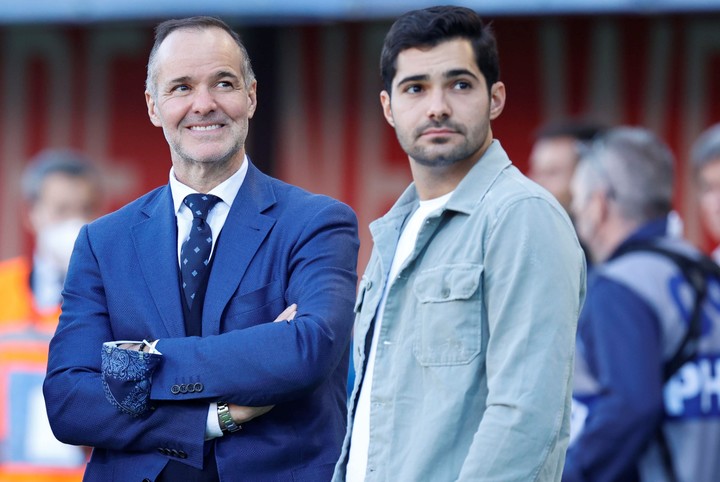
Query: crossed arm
{"points": [[239, 413]]}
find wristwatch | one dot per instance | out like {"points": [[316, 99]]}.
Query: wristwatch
{"points": [[227, 424]]}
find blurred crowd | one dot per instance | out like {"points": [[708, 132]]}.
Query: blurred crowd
{"points": [[646, 398]]}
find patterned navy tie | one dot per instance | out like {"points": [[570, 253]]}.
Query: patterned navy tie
{"points": [[196, 249]]}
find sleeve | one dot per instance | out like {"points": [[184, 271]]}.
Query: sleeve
{"points": [[621, 342], [76, 403], [534, 282], [271, 363]]}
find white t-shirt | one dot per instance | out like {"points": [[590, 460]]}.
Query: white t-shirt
{"points": [[360, 438]]}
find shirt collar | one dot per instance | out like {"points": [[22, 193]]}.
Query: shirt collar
{"points": [[477, 180], [473, 187], [226, 190]]}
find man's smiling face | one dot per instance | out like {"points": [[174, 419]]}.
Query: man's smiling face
{"points": [[201, 100]]}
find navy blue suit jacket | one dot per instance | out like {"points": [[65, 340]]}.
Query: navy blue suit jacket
{"points": [[279, 245]]}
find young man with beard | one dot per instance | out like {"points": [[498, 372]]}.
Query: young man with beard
{"points": [[463, 363]]}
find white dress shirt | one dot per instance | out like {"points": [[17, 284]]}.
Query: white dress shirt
{"points": [[226, 191]]}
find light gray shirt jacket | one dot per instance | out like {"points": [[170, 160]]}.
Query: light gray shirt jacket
{"points": [[474, 362]]}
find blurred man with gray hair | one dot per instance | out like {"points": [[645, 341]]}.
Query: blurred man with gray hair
{"points": [[646, 403], [705, 158]]}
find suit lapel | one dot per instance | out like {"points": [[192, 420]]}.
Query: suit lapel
{"points": [[242, 235], [155, 241]]}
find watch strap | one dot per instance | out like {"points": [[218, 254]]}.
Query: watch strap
{"points": [[227, 424]]}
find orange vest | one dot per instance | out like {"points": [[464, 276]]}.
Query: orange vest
{"points": [[17, 304], [24, 337]]}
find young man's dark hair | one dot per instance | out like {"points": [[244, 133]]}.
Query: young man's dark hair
{"points": [[431, 26]]}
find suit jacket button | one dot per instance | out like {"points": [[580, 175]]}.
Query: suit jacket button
{"points": [[182, 454], [199, 387], [191, 388], [174, 453], [175, 389], [146, 480], [183, 388]]}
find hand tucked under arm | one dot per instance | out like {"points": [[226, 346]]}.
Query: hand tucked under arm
{"points": [[241, 414], [245, 414], [288, 314]]}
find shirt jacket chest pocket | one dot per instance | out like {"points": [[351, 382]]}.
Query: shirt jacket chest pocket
{"points": [[448, 328]]}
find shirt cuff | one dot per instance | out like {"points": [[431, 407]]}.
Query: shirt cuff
{"points": [[152, 346], [212, 426], [139, 345]]}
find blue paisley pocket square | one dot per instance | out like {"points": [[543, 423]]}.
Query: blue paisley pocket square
{"points": [[127, 377]]}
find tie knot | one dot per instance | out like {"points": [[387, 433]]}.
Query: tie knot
{"points": [[200, 204]]}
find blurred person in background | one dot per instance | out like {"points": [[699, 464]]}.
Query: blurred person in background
{"points": [[705, 159], [555, 155], [646, 393], [61, 192]]}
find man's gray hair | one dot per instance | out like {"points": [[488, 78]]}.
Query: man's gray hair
{"points": [[193, 23], [706, 148], [635, 168]]}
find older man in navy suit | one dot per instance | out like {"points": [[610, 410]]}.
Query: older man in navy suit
{"points": [[166, 359]]}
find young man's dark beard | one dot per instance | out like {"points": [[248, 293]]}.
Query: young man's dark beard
{"points": [[459, 153]]}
